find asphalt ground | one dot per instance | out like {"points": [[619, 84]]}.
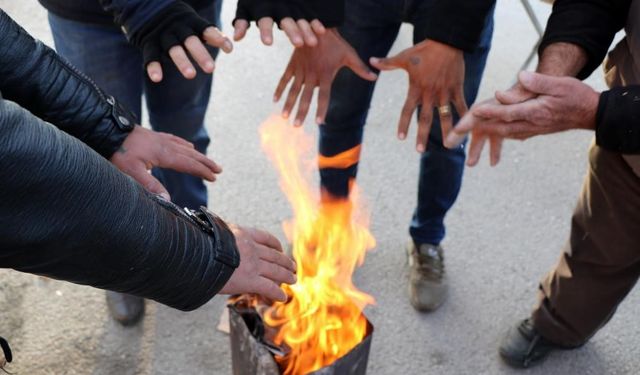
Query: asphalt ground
{"points": [[506, 230]]}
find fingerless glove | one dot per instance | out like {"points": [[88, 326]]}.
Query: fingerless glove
{"points": [[169, 27]]}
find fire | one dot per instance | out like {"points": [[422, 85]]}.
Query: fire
{"points": [[322, 320]]}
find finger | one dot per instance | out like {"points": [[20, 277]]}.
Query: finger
{"points": [[424, 124], [409, 107], [459, 102], [495, 149], [277, 257], [290, 28], [515, 130], [539, 83], [446, 118], [154, 71], [318, 27], [284, 81], [294, 91], [307, 34], [509, 113], [324, 94], [191, 164], [179, 57], [199, 53], [305, 102], [459, 133], [179, 140], [265, 24], [200, 157], [266, 239], [150, 183], [359, 67], [516, 94], [389, 63], [475, 148], [269, 289], [276, 273], [215, 38], [240, 28]]}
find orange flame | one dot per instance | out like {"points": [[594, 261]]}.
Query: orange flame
{"points": [[322, 320]]}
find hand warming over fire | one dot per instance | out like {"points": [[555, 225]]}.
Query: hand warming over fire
{"points": [[558, 104], [263, 265], [312, 67], [436, 77], [144, 149]]}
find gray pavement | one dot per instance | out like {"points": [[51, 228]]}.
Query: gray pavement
{"points": [[505, 232]]}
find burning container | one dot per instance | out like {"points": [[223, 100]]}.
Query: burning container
{"points": [[252, 352], [320, 329]]}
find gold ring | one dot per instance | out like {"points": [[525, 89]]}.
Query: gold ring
{"points": [[444, 110]]}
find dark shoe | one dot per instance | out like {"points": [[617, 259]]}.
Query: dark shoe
{"points": [[523, 346], [427, 282], [124, 308]]}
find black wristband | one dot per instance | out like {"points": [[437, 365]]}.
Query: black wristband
{"points": [[618, 120], [168, 28]]}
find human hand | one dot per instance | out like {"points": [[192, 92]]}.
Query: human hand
{"points": [[313, 67], [288, 15], [263, 265], [436, 78], [179, 32], [559, 104], [144, 149]]}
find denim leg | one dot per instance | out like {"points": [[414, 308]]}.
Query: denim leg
{"points": [[102, 53], [441, 168], [178, 106], [371, 30]]}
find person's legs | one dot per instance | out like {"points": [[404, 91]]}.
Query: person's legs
{"points": [[371, 27], [441, 168], [178, 106], [599, 265], [104, 54]]}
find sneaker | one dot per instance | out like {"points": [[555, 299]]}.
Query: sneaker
{"points": [[524, 347], [427, 282], [124, 308]]}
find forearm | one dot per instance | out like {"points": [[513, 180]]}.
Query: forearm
{"points": [[35, 77], [562, 59], [589, 24], [68, 214]]}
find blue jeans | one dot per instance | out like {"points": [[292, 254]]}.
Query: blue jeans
{"points": [[175, 105], [371, 26]]}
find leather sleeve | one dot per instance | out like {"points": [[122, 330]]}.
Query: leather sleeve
{"points": [[34, 76], [68, 214]]}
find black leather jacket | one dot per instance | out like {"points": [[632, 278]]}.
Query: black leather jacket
{"points": [[67, 213]]}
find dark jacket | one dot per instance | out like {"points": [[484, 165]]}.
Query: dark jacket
{"points": [[130, 14], [458, 23], [69, 214]]}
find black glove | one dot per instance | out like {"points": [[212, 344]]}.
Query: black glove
{"points": [[170, 27], [254, 10]]}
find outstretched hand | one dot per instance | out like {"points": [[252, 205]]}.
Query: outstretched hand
{"points": [[316, 67], [436, 79], [556, 104], [145, 149], [286, 14], [263, 265]]}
